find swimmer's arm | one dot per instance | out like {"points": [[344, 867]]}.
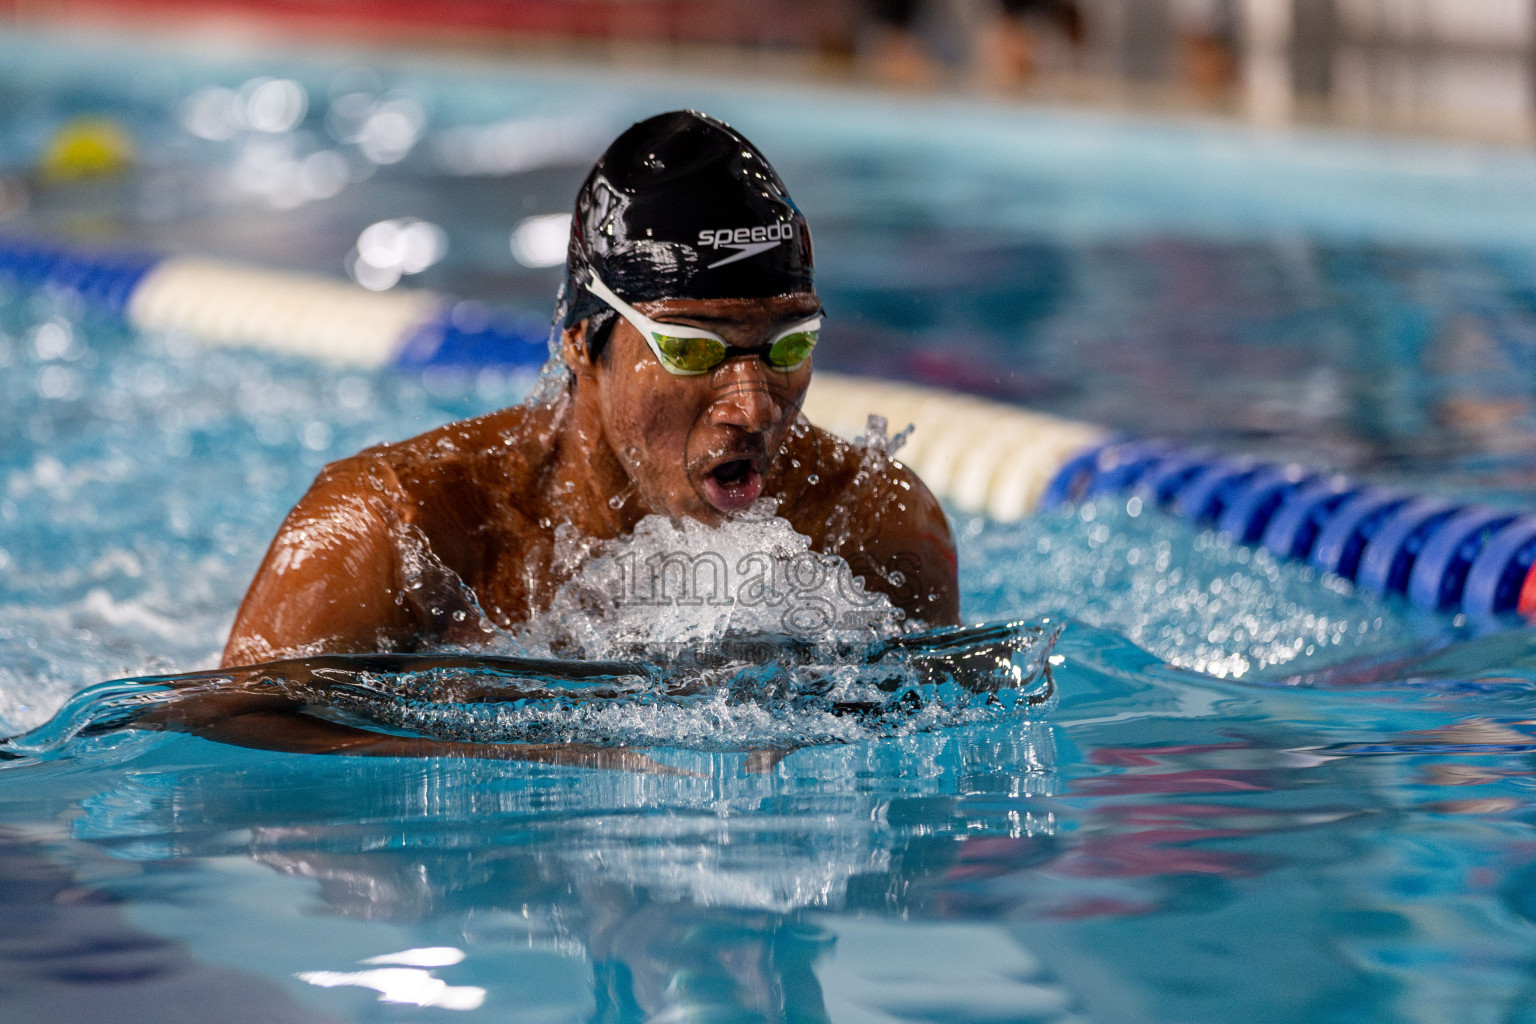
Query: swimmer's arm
{"points": [[328, 582], [268, 722]]}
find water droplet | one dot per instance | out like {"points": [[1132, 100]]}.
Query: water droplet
{"points": [[813, 479]]}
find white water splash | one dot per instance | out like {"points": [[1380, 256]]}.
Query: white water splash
{"points": [[684, 583]]}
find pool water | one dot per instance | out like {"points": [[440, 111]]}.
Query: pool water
{"points": [[1258, 795]]}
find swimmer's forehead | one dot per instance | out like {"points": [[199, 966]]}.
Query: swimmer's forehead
{"points": [[726, 311]]}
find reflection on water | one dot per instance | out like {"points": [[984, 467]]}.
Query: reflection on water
{"points": [[1004, 866], [1361, 830], [696, 894], [69, 951], [1349, 809]]}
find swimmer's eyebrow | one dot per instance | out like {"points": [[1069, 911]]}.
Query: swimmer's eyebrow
{"points": [[712, 319], [702, 318]]}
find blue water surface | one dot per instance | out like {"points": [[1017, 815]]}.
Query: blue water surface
{"points": [[1313, 804], [1259, 795]]}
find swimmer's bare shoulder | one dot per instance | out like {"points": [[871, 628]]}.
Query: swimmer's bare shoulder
{"points": [[347, 570], [879, 516]]}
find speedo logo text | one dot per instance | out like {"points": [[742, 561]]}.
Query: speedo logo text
{"points": [[746, 241]]}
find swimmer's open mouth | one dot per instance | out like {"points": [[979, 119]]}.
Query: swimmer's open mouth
{"points": [[733, 485]]}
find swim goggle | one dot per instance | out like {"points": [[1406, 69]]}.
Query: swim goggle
{"points": [[686, 351]]}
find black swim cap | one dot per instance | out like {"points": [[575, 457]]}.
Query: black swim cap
{"points": [[681, 206]]}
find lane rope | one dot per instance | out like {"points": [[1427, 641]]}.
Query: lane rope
{"points": [[983, 457]]}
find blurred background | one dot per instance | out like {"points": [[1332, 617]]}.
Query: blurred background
{"points": [[1460, 66], [1290, 228]]}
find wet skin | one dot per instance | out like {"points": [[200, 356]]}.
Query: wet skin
{"points": [[488, 496]]}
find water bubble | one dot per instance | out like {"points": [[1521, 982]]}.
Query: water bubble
{"points": [[55, 340], [390, 130], [323, 174], [316, 435], [353, 392], [272, 105], [347, 113], [210, 114], [388, 249], [58, 382], [541, 241]]}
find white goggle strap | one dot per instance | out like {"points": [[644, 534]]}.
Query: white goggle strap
{"points": [[649, 328]]}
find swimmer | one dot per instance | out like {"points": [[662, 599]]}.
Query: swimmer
{"points": [[690, 323], [687, 334]]}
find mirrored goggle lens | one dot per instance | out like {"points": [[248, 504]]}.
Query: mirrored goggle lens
{"points": [[693, 355], [792, 349]]}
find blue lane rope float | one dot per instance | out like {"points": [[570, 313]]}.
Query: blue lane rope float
{"points": [[1163, 482], [1207, 493], [1438, 555], [226, 304], [1347, 533], [105, 280], [1440, 572], [1295, 525], [1501, 569], [1387, 563], [984, 457], [1249, 511]]}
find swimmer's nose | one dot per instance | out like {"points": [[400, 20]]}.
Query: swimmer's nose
{"points": [[744, 397]]}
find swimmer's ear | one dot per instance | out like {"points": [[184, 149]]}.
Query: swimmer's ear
{"points": [[573, 348]]}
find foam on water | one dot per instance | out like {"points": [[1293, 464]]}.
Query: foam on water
{"points": [[681, 582], [757, 692]]}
